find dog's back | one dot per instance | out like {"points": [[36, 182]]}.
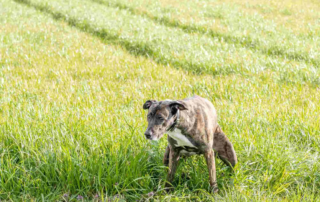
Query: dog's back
{"points": [[201, 119]]}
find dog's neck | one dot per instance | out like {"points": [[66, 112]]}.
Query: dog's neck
{"points": [[175, 122]]}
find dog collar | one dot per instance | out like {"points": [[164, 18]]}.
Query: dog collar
{"points": [[176, 121]]}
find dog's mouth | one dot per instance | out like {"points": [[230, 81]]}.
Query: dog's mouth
{"points": [[154, 139]]}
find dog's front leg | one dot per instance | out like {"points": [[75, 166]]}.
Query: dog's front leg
{"points": [[209, 155], [173, 164], [166, 156]]}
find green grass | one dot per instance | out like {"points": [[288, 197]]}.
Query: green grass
{"points": [[75, 74]]}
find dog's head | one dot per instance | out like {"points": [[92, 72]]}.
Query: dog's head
{"points": [[161, 115]]}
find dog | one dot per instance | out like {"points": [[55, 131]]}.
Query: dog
{"points": [[192, 128]]}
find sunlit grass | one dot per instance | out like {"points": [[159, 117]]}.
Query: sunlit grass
{"points": [[74, 76], [287, 29]]}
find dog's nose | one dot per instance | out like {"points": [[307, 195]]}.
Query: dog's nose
{"points": [[148, 135]]}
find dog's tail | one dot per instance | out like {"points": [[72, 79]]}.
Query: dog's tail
{"points": [[224, 148]]}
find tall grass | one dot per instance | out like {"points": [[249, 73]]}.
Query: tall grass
{"points": [[74, 75]]}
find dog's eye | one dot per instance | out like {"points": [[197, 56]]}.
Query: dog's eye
{"points": [[160, 118]]}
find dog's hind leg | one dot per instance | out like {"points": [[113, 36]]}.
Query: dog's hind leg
{"points": [[224, 148], [166, 156]]}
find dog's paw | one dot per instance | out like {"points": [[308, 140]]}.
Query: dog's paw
{"points": [[214, 188], [185, 176], [169, 188]]}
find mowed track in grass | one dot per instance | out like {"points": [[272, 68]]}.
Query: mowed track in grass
{"points": [[216, 19], [75, 74]]}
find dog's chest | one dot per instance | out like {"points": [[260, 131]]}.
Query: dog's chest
{"points": [[183, 143]]}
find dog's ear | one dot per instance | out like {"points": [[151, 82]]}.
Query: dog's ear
{"points": [[175, 105], [148, 103]]}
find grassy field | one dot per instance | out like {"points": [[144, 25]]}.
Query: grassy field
{"points": [[74, 76]]}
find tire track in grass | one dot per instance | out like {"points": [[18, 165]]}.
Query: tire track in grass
{"points": [[163, 53], [247, 42], [134, 48]]}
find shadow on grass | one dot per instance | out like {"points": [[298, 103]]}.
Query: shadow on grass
{"points": [[246, 42], [134, 48]]}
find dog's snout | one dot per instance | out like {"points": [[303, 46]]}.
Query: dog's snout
{"points": [[148, 135]]}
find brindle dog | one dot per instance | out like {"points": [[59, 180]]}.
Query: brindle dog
{"points": [[192, 128]]}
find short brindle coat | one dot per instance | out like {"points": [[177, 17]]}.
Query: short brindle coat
{"points": [[192, 128]]}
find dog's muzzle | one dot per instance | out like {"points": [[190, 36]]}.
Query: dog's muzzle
{"points": [[148, 134]]}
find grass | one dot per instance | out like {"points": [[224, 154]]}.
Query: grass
{"points": [[75, 74]]}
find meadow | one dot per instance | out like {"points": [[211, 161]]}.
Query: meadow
{"points": [[74, 76]]}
